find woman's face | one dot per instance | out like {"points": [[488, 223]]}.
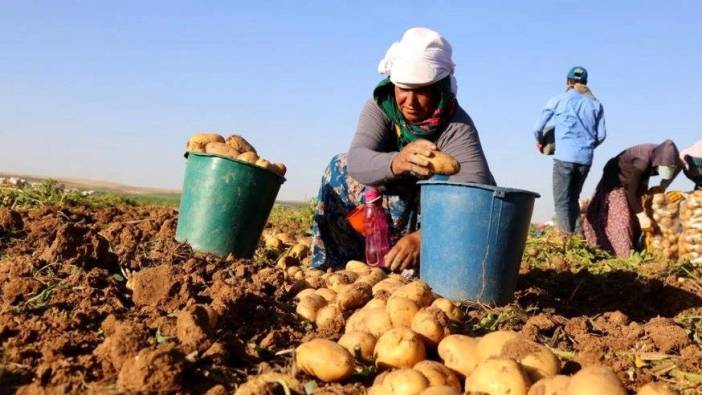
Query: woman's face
{"points": [[418, 104]]}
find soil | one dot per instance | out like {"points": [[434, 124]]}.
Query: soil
{"points": [[95, 301]]}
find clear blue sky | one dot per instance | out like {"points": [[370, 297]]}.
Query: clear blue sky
{"points": [[111, 90]]}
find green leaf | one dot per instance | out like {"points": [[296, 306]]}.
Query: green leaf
{"points": [[310, 387], [160, 338]]}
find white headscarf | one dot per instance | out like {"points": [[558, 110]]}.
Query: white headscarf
{"points": [[421, 58]]}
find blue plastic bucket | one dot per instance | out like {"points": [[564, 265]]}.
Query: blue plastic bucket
{"points": [[473, 238]]}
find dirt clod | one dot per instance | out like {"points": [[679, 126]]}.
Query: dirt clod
{"points": [[10, 221], [159, 370]]}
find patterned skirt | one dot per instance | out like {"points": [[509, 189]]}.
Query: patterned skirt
{"points": [[610, 224], [334, 241]]}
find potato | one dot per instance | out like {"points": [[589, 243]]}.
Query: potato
{"points": [[399, 348], [443, 163], [279, 169], [265, 383], [398, 276], [330, 317], [285, 262], [372, 320], [536, 359], [375, 302], [299, 251], [356, 322], [440, 390], [388, 285], [304, 292], [491, 344], [378, 390], [338, 279], [554, 385], [298, 276], [438, 374], [655, 389], [401, 311], [309, 306], [372, 277], [376, 321], [357, 267], [432, 324], [294, 287], [403, 382], [459, 353], [293, 270], [218, 148], [198, 142], [452, 311], [239, 143], [327, 294], [595, 380], [498, 376], [263, 163], [273, 243], [380, 379], [362, 343], [324, 360], [249, 157], [295, 273], [313, 273], [418, 291], [353, 296], [315, 282]]}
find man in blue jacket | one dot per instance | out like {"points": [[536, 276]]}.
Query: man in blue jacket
{"points": [[579, 123]]}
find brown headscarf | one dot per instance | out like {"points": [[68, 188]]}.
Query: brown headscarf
{"points": [[666, 154]]}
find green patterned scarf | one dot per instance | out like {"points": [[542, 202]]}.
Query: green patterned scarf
{"points": [[430, 128]]}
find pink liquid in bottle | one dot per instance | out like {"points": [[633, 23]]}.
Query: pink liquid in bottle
{"points": [[376, 226]]}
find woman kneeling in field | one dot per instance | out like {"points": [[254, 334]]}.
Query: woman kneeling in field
{"points": [[615, 216], [413, 113]]}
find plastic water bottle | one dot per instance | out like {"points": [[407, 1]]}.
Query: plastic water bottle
{"points": [[376, 225]]}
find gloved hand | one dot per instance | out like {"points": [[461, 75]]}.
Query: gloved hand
{"points": [[644, 222]]}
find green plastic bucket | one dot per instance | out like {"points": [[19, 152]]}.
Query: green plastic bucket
{"points": [[225, 204]]}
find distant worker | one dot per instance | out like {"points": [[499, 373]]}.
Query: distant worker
{"points": [[691, 158], [412, 113], [579, 123], [616, 216]]}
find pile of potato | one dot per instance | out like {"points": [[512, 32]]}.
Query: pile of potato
{"points": [[400, 325], [664, 211], [690, 244], [234, 147]]}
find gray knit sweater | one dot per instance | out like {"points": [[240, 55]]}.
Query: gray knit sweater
{"points": [[375, 145]]}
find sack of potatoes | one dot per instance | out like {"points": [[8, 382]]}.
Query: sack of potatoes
{"points": [[664, 210], [690, 240], [234, 147]]}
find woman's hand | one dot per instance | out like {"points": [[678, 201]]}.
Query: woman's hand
{"points": [[413, 159], [405, 253]]}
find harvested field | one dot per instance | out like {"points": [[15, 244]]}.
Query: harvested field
{"points": [[102, 299]]}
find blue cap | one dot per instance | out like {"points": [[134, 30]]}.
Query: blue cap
{"points": [[578, 73]]}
